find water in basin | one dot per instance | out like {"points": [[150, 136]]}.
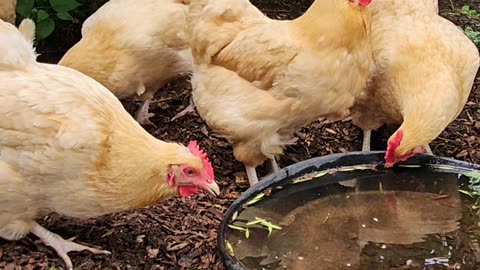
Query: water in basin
{"points": [[408, 219]]}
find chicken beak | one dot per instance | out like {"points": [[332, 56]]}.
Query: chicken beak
{"points": [[212, 188], [388, 165]]}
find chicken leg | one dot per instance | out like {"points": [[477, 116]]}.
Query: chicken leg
{"points": [[273, 165], [252, 175], [189, 109], [428, 150], [62, 246], [143, 116], [367, 134]]}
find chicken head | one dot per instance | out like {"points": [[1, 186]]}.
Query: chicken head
{"points": [[189, 179], [394, 154]]}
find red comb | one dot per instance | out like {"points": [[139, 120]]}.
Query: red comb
{"points": [[207, 166], [392, 145], [364, 2]]}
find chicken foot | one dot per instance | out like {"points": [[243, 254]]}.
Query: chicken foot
{"points": [[189, 109], [143, 116], [62, 246], [252, 175]]}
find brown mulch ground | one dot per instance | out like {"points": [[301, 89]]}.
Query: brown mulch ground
{"points": [[181, 233]]}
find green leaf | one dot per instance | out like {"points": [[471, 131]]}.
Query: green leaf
{"points": [[42, 4], [465, 192], [24, 7], [256, 199], [42, 15], [409, 166], [234, 216], [64, 16], [45, 28], [64, 5], [229, 248], [236, 227]]}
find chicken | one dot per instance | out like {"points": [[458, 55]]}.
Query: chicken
{"points": [[423, 71], [133, 49], [256, 80], [68, 146], [7, 10]]}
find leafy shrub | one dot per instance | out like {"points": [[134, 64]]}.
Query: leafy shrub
{"points": [[46, 12], [473, 35]]}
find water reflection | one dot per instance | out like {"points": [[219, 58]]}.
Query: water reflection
{"points": [[387, 221]]}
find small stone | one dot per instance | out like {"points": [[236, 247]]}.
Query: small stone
{"points": [[152, 252], [139, 238]]}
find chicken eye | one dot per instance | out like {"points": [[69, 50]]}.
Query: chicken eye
{"points": [[189, 172]]}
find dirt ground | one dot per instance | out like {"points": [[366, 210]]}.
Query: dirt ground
{"points": [[181, 233]]}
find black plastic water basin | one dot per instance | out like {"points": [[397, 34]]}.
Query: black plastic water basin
{"points": [[311, 215]]}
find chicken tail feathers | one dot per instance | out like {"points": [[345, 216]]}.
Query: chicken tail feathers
{"points": [[27, 29], [16, 45]]}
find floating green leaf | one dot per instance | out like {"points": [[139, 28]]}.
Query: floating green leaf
{"points": [[253, 222], [346, 169], [234, 216], [236, 227], [256, 199], [409, 166], [473, 175], [265, 223], [229, 248], [442, 167], [310, 177], [320, 174], [369, 167], [465, 192], [301, 180]]}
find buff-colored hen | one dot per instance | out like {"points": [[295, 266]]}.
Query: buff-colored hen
{"points": [[258, 80], [423, 71], [133, 48], [7, 10], [67, 145]]}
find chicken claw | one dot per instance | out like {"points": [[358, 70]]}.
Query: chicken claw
{"points": [[189, 109], [62, 246], [143, 116]]}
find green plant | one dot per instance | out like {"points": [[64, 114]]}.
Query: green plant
{"points": [[45, 12], [465, 10], [473, 35]]}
